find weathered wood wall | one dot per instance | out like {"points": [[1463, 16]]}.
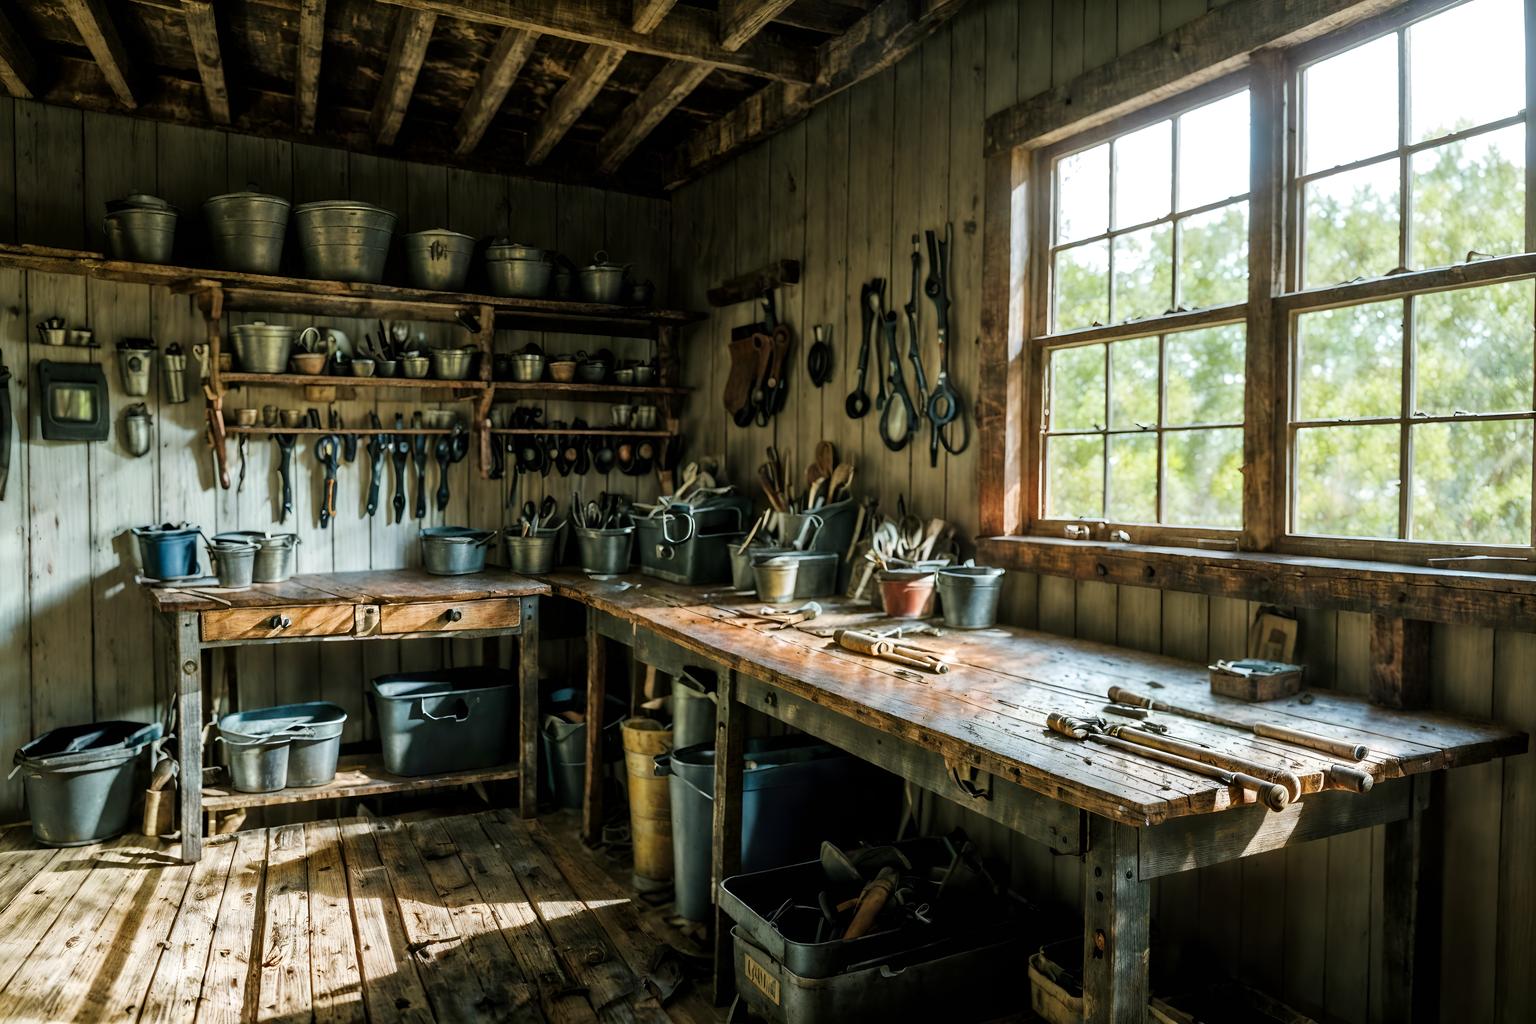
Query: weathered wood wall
{"points": [[844, 191], [75, 636]]}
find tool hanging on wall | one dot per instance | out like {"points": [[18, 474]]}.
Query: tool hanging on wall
{"points": [[398, 457], [818, 361], [857, 405], [378, 445], [419, 460], [776, 382], [6, 425], [914, 332], [898, 421], [946, 412], [285, 443]]}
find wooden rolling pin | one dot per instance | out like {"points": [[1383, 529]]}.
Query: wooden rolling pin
{"points": [[1338, 748], [1270, 794]]}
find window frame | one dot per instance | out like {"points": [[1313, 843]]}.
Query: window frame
{"points": [[1274, 305]]}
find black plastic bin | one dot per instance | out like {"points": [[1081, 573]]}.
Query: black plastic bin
{"points": [[448, 720], [81, 780]]}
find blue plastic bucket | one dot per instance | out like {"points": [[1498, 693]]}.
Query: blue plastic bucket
{"points": [[168, 552]]}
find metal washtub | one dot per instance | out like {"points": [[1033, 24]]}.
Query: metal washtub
{"points": [[343, 240], [448, 720], [247, 230]]}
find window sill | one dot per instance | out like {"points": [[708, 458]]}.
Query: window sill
{"points": [[1401, 591]]}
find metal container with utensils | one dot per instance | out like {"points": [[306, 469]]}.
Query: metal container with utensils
{"points": [[969, 595], [454, 550], [438, 259], [275, 553], [261, 347], [451, 363], [141, 228], [343, 240], [135, 361], [602, 281], [775, 578], [816, 575], [518, 271], [534, 554], [604, 552], [247, 230]]}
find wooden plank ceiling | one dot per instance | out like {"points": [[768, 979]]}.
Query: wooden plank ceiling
{"points": [[636, 94]]}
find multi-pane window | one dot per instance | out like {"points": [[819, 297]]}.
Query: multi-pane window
{"points": [[1153, 220], [1411, 415], [1403, 321]]}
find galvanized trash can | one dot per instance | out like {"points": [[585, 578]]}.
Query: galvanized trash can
{"points": [[650, 807], [81, 780]]}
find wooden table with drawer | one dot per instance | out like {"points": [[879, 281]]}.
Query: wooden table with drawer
{"points": [[397, 604]]}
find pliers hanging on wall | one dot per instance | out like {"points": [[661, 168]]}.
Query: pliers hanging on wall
{"points": [[946, 411]]}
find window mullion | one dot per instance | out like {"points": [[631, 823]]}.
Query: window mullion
{"points": [[1404, 183], [1267, 152], [1405, 429]]}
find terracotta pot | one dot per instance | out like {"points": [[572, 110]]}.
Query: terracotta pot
{"points": [[908, 594]]}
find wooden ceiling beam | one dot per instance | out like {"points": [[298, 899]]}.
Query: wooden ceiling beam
{"points": [[890, 31], [670, 87], [647, 14], [203, 30], [413, 31], [575, 96], [687, 33], [306, 81], [740, 20], [501, 70], [18, 69], [94, 23]]}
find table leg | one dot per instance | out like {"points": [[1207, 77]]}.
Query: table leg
{"points": [[730, 746], [528, 708], [1410, 904], [597, 697], [186, 662], [1117, 915]]}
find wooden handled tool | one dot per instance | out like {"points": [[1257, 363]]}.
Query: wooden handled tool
{"points": [[861, 642], [1343, 776], [871, 901], [1216, 758], [1270, 794], [1338, 748]]}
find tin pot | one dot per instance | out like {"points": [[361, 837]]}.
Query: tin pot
{"points": [[247, 230], [527, 367], [274, 553], [438, 259], [344, 241], [454, 550], [775, 578], [969, 595], [518, 271], [415, 367], [602, 281], [262, 347], [137, 430], [451, 363], [604, 552], [234, 561], [141, 228], [135, 361]]}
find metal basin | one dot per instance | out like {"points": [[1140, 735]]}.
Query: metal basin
{"points": [[454, 550], [343, 240], [438, 259]]}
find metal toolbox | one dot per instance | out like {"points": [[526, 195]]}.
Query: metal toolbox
{"points": [[685, 543]]}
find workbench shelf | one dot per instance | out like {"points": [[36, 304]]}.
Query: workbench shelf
{"points": [[358, 776]]}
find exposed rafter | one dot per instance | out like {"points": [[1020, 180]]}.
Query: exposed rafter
{"points": [[740, 20], [501, 70], [203, 30], [575, 95], [876, 41], [670, 87], [687, 33], [647, 14], [306, 82], [413, 30], [94, 23], [18, 69]]}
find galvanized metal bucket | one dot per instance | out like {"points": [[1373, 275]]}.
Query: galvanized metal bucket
{"points": [[776, 578], [343, 240], [275, 553], [969, 595], [247, 230], [438, 259], [144, 234], [534, 554], [604, 552], [233, 561]]}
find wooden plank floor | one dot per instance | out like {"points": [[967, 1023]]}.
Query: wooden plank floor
{"points": [[477, 917]]}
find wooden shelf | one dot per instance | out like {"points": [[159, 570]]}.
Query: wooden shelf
{"points": [[269, 293], [591, 432], [574, 392], [357, 775], [444, 431], [310, 380]]}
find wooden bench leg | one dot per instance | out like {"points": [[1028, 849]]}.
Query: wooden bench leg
{"points": [[1411, 884], [597, 697], [1117, 915], [186, 663], [528, 704], [730, 746]]}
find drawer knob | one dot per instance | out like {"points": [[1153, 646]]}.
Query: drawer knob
{"points": [[453, 615], [280, 622]]}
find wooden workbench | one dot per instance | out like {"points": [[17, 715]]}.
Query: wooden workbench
{"points": [[401, 604], [977, 735]]}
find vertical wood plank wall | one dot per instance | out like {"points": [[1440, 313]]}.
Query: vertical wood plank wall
{"points": [[75, 636], [844, 191]]}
